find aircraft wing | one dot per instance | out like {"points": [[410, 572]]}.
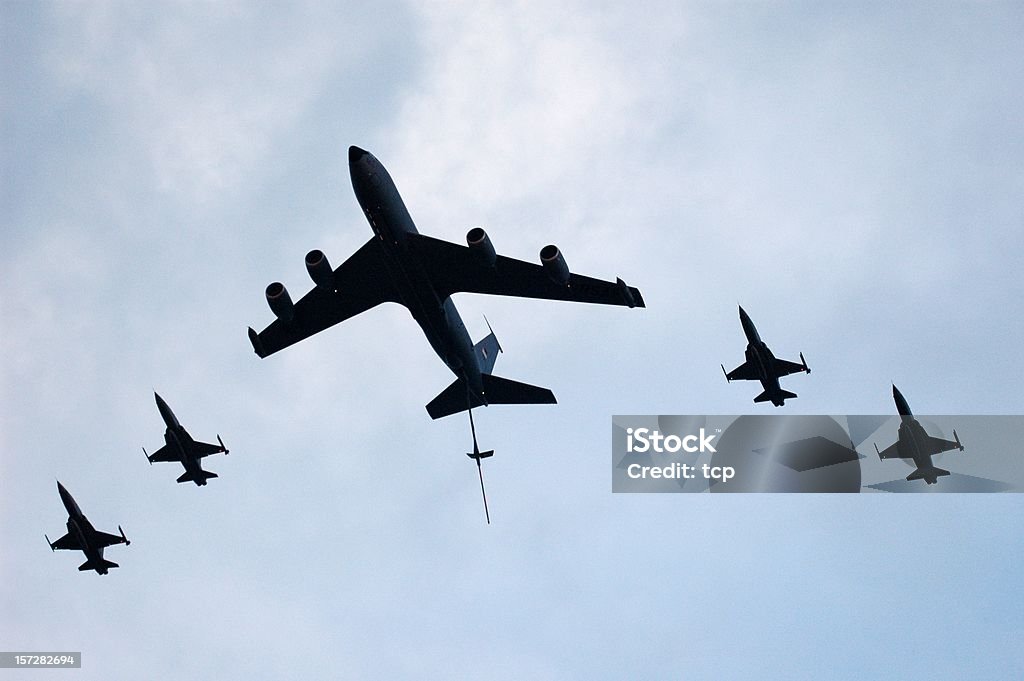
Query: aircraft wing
{"points": [[361, 283], [105, 539], [456, 269], [785, 368], [67, 543], [938, 445], [744, 372], [890, 452], [165, 453], [202, 449]]}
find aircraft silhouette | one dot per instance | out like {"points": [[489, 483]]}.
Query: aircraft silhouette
{"points": [[761, 365], [915, 444], [82, 536], [179, 446], [400, 265]]}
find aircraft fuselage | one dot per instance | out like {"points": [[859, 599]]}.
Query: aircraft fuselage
{"points": [[913, 443], [390, 221], [760, 356], [81, 529], [178, 439]]}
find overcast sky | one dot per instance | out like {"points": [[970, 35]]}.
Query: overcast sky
{"points": [[851, 175]]}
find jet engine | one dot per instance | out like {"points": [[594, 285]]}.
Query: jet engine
{"points": [[480, 244], [280, 302], [554, 264], [320, 270]]}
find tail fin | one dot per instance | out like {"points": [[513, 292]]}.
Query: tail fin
{"points": [[778, 398], [497, 390], [930, 475], [101, 566], [199, 478], [487, 350]]}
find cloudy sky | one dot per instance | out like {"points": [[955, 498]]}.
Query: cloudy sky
{"points": [[851, 175]]}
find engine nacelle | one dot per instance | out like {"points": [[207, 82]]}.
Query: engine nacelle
{"points": [[280, 302], [554, 264], [320, 270], [480, 244]]}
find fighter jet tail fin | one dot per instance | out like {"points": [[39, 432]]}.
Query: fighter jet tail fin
{"points": [[199, 478], [456, 398], [101, 565]]}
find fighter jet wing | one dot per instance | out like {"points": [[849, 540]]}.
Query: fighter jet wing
{"points": [[202, 449], [165, 453], [360, 282], [106, 539], [457, 269], [890, 452], [67, 543], [785, 367], [744, 372], [938, 445]]}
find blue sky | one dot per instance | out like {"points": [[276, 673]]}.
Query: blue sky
{"points": [[850, 175]]}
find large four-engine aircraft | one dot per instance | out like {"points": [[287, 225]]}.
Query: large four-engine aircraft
{"points": [[179, 446], [82, 536], [761, 365], [917, 445], [400, 265]]}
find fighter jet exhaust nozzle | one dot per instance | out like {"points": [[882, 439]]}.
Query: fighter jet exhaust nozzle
{"points": [[554, 264], [481, 245], [280, 302], [320, 270]]}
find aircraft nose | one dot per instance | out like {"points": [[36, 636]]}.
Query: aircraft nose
{"points": [[355, 154]]}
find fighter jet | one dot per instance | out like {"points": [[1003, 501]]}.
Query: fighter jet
{"points": [[182, 448], [400, 265], [917, 445], [82, 536], [762, 365]]}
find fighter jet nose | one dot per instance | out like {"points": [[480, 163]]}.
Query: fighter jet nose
{"points": [[355, 154]]}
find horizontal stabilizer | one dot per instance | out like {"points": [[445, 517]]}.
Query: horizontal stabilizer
{"points": [[929, 475], [102, 564], [199, 478], [498, 390], [453, 399], [774, 397], [456, 398]]}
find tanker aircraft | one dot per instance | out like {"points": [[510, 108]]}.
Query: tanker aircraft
{"points": [[400, 265]]}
